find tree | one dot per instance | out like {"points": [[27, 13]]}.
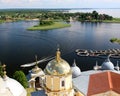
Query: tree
{"points": [[46, 22], [95, 15], [21, 78]]}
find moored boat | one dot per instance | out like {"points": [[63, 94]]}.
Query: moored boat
{"points": [[83, 54], [115, 53], [117, 56]]}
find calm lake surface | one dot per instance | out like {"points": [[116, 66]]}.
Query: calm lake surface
{"points": [[19, 46]]}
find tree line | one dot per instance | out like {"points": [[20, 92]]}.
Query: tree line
{"points": [[23, 14]]}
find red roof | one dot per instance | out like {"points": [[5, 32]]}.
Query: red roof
{"points": [[103, 82]]}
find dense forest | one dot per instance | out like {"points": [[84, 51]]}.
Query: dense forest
{"points": [[44, 14]]}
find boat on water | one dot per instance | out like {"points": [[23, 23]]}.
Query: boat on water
{"points": [[102, 55], [94, 54], [77, 50], [82, 54], [116, 56], [115, 53], [81, 50]]}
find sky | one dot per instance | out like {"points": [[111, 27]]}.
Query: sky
{"points": [[4, 4]]}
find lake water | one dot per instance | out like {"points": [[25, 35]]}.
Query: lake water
{"points": [[19, 46]]}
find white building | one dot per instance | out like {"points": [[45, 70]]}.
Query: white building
{"points": [[11, 87]]}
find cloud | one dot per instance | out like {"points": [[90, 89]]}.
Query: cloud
{"points": [[9, 1], [13, 1], [59, 3], [52, 1], [34, 0]]}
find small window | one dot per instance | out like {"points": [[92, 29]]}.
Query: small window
{"points": [[63, 83]]}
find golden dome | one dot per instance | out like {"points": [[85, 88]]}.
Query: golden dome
{"points": [[57, 66]]}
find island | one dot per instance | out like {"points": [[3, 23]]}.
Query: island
{"points": [[115, 40], [48, 25]]}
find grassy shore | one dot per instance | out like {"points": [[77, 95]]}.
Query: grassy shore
{"points": [[55, 25], [2, 21], [115, 20], [115, 40]]}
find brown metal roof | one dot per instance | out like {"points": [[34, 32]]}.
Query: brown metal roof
{"points": [[103, 82]]}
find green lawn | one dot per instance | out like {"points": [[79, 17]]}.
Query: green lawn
{"points": [[56, 25]]}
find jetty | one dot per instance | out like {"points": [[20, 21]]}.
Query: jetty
{"points": [[114, 53]]}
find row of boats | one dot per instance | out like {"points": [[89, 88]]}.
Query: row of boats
{"points": [[114, 53]]}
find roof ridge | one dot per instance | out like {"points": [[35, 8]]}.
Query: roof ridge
{"points": [[110, 80]]}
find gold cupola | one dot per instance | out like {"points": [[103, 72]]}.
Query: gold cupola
{"points": [[57, 66]]}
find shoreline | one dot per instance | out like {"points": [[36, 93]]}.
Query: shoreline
{"points": [[115, 20], [6, 21]]}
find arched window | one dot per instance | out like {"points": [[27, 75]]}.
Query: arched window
{"points": [[63, 83], [37, 82]]}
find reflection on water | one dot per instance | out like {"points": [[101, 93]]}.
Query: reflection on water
{"points": [[19, 46]]}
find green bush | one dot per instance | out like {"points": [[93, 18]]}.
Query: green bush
{"points": [[113, 39], [21, 78], [46, 22]]}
